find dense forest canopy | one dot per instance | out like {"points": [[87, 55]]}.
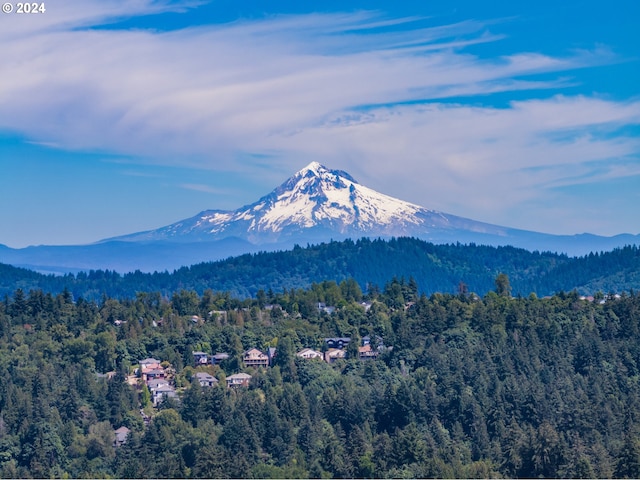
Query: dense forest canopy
{"points": [[435, 268], [466, 385]]}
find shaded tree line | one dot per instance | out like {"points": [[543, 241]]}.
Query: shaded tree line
{"points": [[435, 268]]}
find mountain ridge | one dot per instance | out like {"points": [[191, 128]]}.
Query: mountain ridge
{"points": [[314, 205], [323, 203], [435, 268]]}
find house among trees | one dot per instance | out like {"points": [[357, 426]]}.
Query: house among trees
{"points": [[149, 364], [334, 354], [367, 352], [255, 358], [218, 358], [337, 342], [157, 383], [206, 380], [376, 341], [323, 307], [154, 374], [155, 378], [309, 353], [121, 436], [161, 392], [200, 358], [238, 380], [150, 369]]}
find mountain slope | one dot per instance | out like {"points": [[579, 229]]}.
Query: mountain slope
{"points": [[317, 203], [314, 205], [435, 268]]}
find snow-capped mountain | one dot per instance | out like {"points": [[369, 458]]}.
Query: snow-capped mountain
{"points": [[316, 204]]}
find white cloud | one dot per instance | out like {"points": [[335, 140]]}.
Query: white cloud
{"points": [[230, 87], [484, 162], [200, 188], [325, 87], [73, 14]]}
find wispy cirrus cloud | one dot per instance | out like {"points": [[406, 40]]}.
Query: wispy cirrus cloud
{"points": [[498, 157], [136, 173], [232, 87], [201, 188], [349, 89]]}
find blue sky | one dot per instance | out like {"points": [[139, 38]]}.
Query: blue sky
{"points": [[119, 116]]}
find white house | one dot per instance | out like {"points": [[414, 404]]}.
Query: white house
{"points": [[206, 380], [309, 353], [238, 380]]}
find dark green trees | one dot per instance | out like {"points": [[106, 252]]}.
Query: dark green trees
{"points": [[503, 285], [472, 387]]}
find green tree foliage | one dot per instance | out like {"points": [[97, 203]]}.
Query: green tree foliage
{"points": [[472, 386], [503, 285], [285, 357], [350, 267]]}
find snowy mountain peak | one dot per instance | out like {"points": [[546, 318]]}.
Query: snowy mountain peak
{"points": [[315, 204], [317, 170], [314, 167]]}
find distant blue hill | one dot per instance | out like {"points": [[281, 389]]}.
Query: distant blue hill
{"points": [[435, 268], [122, 256]]}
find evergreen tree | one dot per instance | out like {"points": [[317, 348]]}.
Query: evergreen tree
{"points": [[503, 285]]}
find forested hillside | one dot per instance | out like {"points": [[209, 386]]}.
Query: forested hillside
{"points": [[435, 268], [471, 386]]}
